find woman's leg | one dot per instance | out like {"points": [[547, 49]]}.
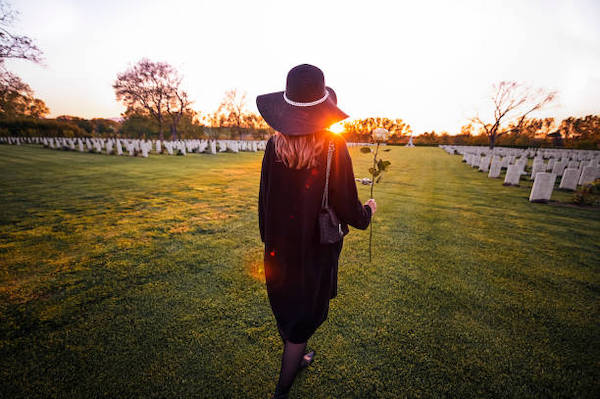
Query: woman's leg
{"points": [[290, 362]]}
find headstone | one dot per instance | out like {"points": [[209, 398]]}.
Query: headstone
{"points": [[538, 166], [541, 191], [158, 146], [180, 148], [467, 158], [496, 168], [558, 168], [484, 163], [513, 175], [144, 149], [569, 179], [589, 174]]}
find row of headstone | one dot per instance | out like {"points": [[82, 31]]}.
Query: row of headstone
{"points": [[545, 153], [13, 140], [574, 167], [139, 147]]}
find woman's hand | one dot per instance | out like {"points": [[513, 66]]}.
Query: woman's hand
{"points": [[372, 204]]}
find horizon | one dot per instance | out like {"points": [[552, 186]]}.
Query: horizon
{"points": [[461, 51]]}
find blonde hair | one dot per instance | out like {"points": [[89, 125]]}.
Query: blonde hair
{"points": [[300, 152]]}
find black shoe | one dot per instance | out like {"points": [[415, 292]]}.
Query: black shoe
{"points": [[304, 363], [279, 394]]}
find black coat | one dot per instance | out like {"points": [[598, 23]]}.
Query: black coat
{"points": [[301, 273]]}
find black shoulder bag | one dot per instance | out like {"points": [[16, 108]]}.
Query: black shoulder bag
{"points": [[330, 227]]}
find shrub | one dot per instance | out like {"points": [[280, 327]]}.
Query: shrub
{"points": [[589, 194]]}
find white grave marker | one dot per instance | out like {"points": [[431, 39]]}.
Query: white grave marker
{"points": [[541, 191]]}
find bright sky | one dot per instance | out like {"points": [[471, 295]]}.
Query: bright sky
{"points": [[431, 63]]}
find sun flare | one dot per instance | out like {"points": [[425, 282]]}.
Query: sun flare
{"points": [[337, 128]]}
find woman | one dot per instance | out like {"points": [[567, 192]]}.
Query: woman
{"points": [[301, 273]]}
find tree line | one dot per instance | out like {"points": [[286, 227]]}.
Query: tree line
{"points": [[572, 132], [154, 99]]}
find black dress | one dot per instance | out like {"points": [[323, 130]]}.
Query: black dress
{"points": [[301, 273]]}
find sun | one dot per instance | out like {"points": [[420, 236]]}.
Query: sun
{"points": [[337, 128]]}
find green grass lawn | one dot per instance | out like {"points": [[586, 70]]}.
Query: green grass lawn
{"points": [[130, 277]]}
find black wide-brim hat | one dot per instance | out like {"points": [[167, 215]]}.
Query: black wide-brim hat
{"points": [[305, 107]]}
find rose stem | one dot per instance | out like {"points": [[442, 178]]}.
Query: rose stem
{"points": [[372, 184]]}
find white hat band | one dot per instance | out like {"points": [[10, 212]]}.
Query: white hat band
{"points": [[298, 104]]}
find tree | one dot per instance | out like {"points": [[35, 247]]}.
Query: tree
{"points": [[257, 126], [177, 106], [16, 97], [96, 127], [12, 45], [231, 110], [582, 132], [360, 129], [512, 102], [532, 132], [138, 123], [153, 87]]}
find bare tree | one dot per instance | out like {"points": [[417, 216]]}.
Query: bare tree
{"points": [[512, 102], [232, 110], [177, 105], [16, 97], [13, 45], [153, 87]]}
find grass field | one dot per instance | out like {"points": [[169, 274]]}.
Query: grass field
{"points": [[129, 277]]}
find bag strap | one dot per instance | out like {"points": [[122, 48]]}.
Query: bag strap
{"points": [[325, 200]]}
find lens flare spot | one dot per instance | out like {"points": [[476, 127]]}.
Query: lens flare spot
{"points": [[257, 270], [337, 128]]}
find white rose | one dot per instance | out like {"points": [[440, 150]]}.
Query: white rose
{"points": [[380, 134]]}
